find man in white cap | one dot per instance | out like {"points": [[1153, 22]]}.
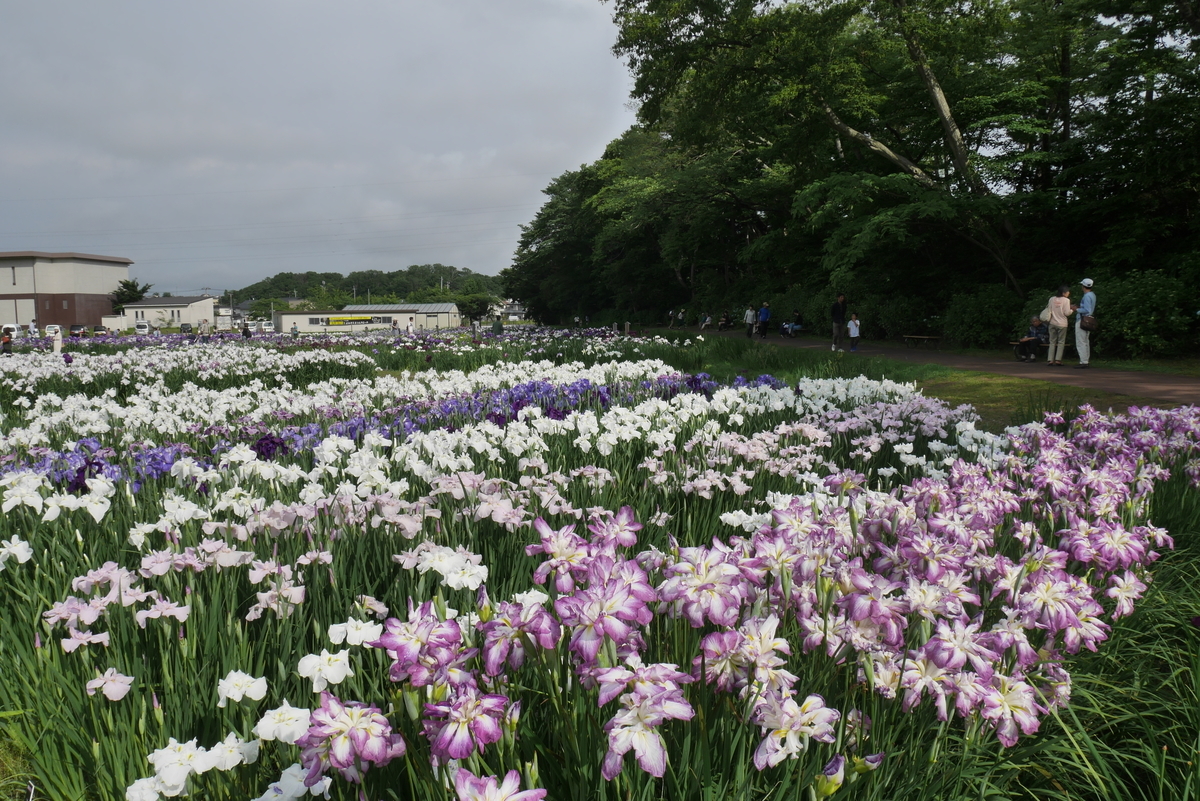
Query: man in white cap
{"points": [[1087, 307]]}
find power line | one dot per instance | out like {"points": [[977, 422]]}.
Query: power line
{"points": [[331, 220], [26, 199], [216, 259], [308, 238]]}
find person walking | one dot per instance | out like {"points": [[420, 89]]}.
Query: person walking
{"points": [[853, 327], [1083, 336], [56, 340], [837, 314], [764, 319], [749, 318], [1060, 309], [411, 328]]}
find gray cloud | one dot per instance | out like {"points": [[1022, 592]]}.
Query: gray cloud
{"points": [[218, 143]]}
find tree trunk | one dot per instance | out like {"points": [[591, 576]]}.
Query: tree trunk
{"points": [[950, 130], [876, 146]]}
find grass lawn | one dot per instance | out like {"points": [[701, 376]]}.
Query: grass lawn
{"points": [[1003, 400], [1000, 400]]}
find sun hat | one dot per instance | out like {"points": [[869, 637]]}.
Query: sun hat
{"points": [[1086, 282]]}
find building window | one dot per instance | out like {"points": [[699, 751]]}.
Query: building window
{"points": [[314, 320], [47, 305], [64, 304]]}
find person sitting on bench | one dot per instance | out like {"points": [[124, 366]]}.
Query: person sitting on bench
{"points": [[1037, 335]]}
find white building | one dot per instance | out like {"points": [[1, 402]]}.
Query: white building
{"points": [[61, 288], [169, 312], [425, 317]]}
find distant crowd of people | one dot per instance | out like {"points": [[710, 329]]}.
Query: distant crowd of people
{"points": [[1049, 329], [758, 322]]}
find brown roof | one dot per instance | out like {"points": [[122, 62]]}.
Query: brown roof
{"points": [[38, 254]]}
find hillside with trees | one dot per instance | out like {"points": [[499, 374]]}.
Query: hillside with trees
{"points": [[946, 165], [419, 283]]}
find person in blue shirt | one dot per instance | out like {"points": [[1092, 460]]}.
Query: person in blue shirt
{"points": [[1083, 339], [1037, 335], [764, 317]]}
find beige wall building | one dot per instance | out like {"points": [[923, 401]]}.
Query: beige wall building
{"points": [[60, 288], [170, 312], [426, 317]]}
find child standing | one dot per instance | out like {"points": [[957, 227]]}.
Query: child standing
{"points": [[852, 327]]}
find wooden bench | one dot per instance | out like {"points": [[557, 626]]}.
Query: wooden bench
{"points": [[914, 341], [1043, 347]]}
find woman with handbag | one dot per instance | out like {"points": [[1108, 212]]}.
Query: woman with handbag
{"points": [[1085, 324], [1058, 310]]}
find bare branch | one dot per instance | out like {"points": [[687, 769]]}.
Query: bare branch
{"points": [[877, 146]]}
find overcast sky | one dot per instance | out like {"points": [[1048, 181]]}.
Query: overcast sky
{"points": [[218, 143]]}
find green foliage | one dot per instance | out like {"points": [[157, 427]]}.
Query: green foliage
{"points": [[264, 307], [419, 283], [982, 318], [789, 150], [16, 771], [474, 307], [128, 291], [1146, 312]]}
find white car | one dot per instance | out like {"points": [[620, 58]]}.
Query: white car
{"points": [[141, 328], [268, 328]]}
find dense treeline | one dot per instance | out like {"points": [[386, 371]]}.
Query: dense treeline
{"points": [[946, 165], [419, 283]]}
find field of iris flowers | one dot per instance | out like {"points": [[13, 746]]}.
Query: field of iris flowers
{"points": [[555, 565]]}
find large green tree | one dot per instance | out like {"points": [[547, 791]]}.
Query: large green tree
{"points": [[942, 162], [128, 291]]}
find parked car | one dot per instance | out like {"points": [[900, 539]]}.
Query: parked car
{"points": [[53, 329], [268, 328], [78, 331], [141, 328], [100, 330], [185, 328]]}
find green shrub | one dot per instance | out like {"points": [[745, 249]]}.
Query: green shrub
{"points": [[981, 319], [1146, 313]]}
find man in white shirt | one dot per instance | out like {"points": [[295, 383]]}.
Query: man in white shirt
{"points": [[750, 319]]}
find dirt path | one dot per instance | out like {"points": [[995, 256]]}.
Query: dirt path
{"points": [[1176, 389]]}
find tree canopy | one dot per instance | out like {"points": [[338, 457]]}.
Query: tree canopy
{"points": [[931, 159], [128, 291], [417, 283]]}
